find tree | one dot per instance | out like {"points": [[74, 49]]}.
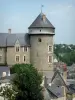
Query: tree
{"points": [[27, 82], [7, 92], [65, 53]]}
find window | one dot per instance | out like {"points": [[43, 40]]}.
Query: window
{"points": [[49, 59], [17, 48], [40, 30], [49, 48], [0, 58], [17, 58], [24, 58], [39, 40], [25, 49]]}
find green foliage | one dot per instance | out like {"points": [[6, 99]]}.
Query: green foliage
{"points": [[7, 92], [27, 82], [65, 53]]}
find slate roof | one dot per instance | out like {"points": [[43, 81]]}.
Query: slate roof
{"points": [[54, 90], [70, 81], [4, 68], [40, 23], [3, 37], [57, 91], [10, 39], [48, 95], [58, 79]]}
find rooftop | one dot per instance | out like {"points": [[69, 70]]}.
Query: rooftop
{"points": [[41, 22]]}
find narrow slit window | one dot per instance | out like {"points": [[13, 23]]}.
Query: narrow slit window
{"points": [[40, 30], [49, 59], [24, 58], [0, 58], [39, 40]]}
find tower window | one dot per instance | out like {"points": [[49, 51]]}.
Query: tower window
{"points": [[49, 48], [49, 59], [39, 40], [40, 30]]}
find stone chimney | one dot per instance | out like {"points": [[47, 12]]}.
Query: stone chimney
{"points": [[9, 31], [4, 74], [44, 17]]}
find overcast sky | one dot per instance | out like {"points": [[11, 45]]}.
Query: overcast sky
{"points": [[19, 14]]}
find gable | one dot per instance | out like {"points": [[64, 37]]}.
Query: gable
{"points": [[17, 43], [58, 79], [21, 39]]}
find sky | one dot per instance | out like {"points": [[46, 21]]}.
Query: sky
{"points": [[19, 14]]}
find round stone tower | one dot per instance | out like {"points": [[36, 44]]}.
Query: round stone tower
{"points": [[41, 33]]}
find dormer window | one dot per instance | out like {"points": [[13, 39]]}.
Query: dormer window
{"points": [[39, 40], [17, 46]]}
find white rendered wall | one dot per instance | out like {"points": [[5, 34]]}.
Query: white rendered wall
{"points": [[42, 31]]}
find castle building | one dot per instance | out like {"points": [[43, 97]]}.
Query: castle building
{"points": [[35, 47]]}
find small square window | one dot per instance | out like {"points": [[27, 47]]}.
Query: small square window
{"points": [[39, 40]]}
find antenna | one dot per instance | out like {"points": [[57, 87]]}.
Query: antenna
{"points": [[42, 7]]}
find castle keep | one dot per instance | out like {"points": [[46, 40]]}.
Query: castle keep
{"points": [[35, 47]]}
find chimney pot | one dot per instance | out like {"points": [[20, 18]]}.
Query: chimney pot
{"points": [[9, 31], [44, 17], [3, 74]]}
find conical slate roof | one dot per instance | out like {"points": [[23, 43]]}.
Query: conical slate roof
{"points": [[41, 22]]}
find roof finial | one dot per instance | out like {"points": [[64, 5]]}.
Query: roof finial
{"points": [[42, 7]]}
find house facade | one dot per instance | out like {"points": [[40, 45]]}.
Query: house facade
{"points": [[35, 47]]}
